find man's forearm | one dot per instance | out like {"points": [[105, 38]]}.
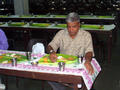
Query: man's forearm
{"points": [[88, 56], [50, 49]]}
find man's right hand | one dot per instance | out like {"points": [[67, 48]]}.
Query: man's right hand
{"points": [[53, 57]]}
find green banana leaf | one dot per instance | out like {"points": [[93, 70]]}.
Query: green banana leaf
{"points": [[40, 24], [40, 16], [3, 16], [93, 26], [26, 16], [105, 16], [16, 24], [86, 16], [7, 57], [66, 57], [61, 25], [60, 16]]}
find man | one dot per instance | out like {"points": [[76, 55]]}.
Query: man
{"points": [[72, 41], [3, 41]]}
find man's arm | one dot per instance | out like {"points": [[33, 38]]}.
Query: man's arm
{"points": [[54, 45], [88, 58], [53, 56], [89, 53], [50, 49]]}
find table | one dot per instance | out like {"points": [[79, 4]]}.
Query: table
{"points": [[46, 76], [73, 73], [87, 19], [24, 68]]}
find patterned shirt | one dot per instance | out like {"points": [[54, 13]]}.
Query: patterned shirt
{"points": [[3, 41], [80, 45]]}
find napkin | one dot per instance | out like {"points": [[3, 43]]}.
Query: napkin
{"points": [[38, 48]]}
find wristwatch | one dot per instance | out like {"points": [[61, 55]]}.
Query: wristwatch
{"points": [[51, 51]]}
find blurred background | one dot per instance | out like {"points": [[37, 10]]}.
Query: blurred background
{"points": [[62, 6], [79, 6]]}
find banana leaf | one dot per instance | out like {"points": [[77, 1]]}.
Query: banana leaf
{"points": [[3, 16], [40, 24], [25, 16], [105, 16], [8, 56], [61, 25], [16, 24], [39, 16], [93, 26], [60, 16], [68, 59]]}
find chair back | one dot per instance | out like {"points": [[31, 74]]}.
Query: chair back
{"points": [[11, 44], [34, 41]]}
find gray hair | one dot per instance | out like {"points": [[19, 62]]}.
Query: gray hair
{"points": [[72, 17]]}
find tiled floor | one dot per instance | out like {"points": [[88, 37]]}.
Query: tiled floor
{"points": [[108, 79]]}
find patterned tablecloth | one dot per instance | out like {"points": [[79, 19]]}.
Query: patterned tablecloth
{"points": [[79, 70]]}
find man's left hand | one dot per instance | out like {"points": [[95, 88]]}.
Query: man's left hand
{"points": [[89, 67]]}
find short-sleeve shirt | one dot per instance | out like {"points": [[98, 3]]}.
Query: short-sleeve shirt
{"points": [[3, 40], [80, 45]]}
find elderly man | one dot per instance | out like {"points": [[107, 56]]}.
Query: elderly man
{"points": [[72, 41], [3, 41]]}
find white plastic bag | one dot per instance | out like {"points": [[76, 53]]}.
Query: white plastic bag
{"points": [[38, 48]]}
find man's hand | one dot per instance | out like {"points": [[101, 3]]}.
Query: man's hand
{"points": [[89, 67], [53, 57], [88, 58]]}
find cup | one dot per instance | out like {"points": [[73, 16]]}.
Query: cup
{"points": [[79, 60], [28, 55], [14, 61], [61, 66], [34, 63]]}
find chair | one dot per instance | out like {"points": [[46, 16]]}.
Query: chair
{"points": [[29, 48], [34, 41], [11, 43], [99, 46]]}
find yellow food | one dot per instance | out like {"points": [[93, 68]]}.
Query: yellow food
{"points": [[63, 58], [101, 27], [70, 58], [9, 61], [16, 56], [45, 60], [0, 56], [5, 62]]}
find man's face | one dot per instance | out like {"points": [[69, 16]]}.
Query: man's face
{"points": [[73, 28]]}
